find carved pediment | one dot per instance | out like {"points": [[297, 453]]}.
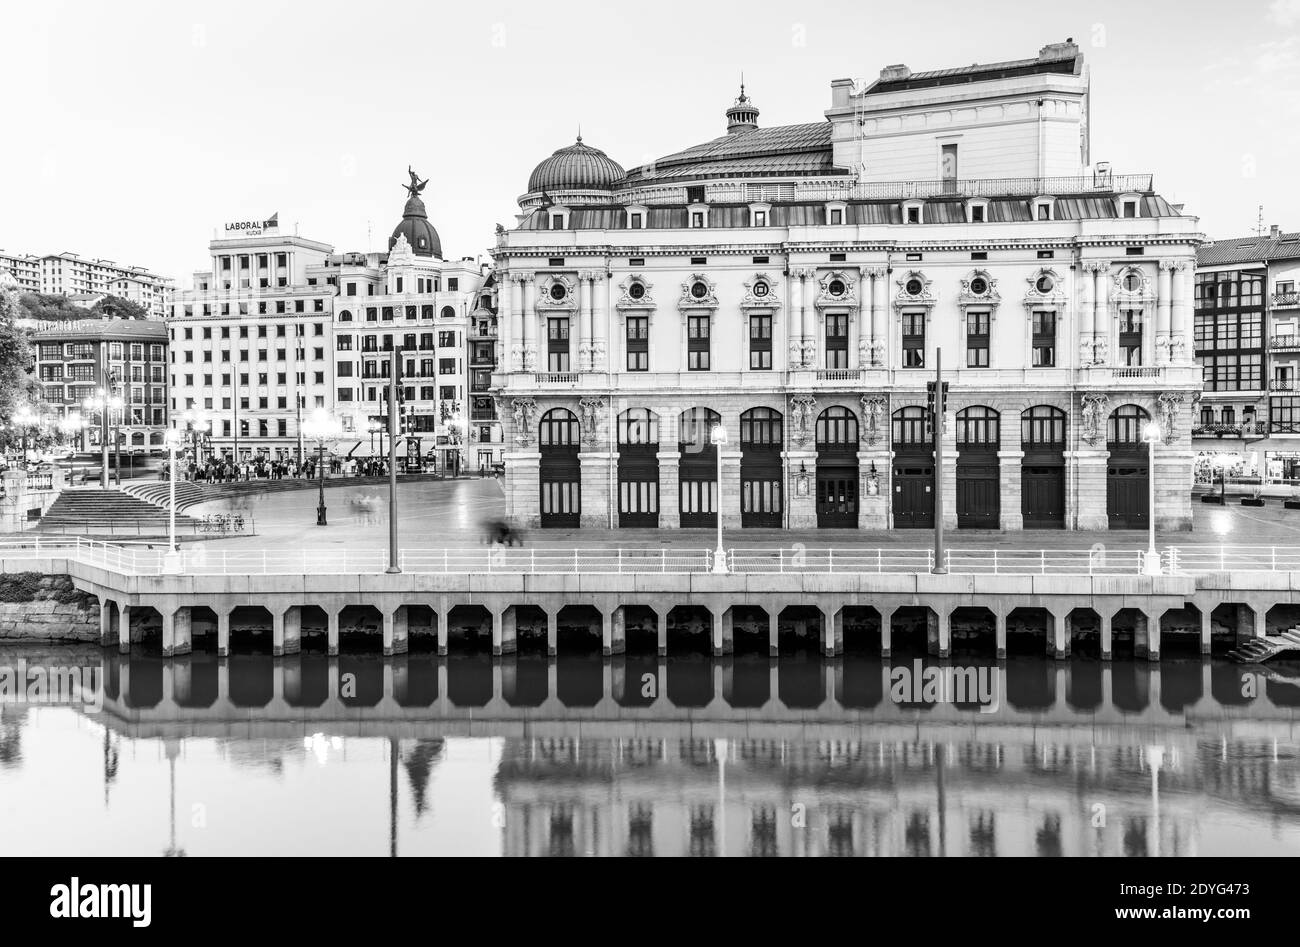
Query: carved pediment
{"points": [[837, 288], [913, 290], [1132, 283], [760, 293], [1045, 289], [551, 287], [978, 288], [698, 292], [627, 300]]}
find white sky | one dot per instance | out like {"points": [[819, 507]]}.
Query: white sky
{"points": [[132, 129]]}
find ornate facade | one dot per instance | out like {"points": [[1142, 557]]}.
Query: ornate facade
{"points": [[796, 288]]}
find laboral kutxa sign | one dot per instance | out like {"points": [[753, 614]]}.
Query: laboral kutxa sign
{"points": [[251, 228]]}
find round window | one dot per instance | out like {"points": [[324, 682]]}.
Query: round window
{"points": [[836, 287], [1132, 282], [1045, 284], [699, 290], [558, 292], [636, 290], [979, 286], [760, 289], [913, 287]]}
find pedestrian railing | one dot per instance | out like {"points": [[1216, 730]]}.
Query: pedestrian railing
{"points": [[148, 558]]}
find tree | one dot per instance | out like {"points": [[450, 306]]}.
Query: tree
{"points": [[17, 386], [115, 307], [42, 307]]}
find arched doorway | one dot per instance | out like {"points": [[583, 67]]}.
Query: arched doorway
{"points": [[559, 473], [698, 468], [978, 485], [638, 468], [837, 469], [1042, 469], [761, 439], [1127, 498], [913, 502]]}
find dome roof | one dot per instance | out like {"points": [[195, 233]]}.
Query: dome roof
{"points": [[578, 167], [418, 231]]}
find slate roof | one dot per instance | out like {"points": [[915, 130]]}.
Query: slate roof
{"points": [[1070, 65], [1257, 249], [780, 150]]}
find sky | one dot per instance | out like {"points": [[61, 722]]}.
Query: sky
{"points": [[135, 128]]}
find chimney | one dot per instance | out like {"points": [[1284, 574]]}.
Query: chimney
{"points": [[1275, 232], [895, 73]]}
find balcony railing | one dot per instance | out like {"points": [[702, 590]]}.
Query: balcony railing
{"points": [[1138, 371], [1281, 384], [555, 378], [1244, 429], [1284, 343], [1281, 300]]}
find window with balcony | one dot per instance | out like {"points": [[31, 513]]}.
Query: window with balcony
{"points": [[1044, 339], [697, 343], [557, 345], [638, 344], [913, 339], [837, 340], [1130, 337], [760, 343], [977, 340]]}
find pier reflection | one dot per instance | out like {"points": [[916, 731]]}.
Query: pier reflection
{"points": [[680, 756]]}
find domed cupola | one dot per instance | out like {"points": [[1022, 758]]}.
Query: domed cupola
{"points": [[578, 167], [743, 114], [415, 224]]}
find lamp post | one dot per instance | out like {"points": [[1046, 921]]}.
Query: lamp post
{"points": [[718, 437], [25, 418], [114, 403], [171, 561], [1151, 434], [322, 428], [99, 403], [1222, 524]]}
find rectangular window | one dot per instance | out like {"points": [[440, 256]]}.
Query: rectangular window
{"points": [[446, 366], [837, 340], [638, 344], [837, 216], [1044, 339], [1130, 337], [634, 221], [913, 340], [760, 343], [977, 340], [697, 343], [557, 345]]}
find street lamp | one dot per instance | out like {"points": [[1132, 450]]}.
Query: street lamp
{"points": [[1151, 434], [322, 428], [25, 418], [171, 561], [1223, 461], [98, 403], [718, 437], [1222, 524]]}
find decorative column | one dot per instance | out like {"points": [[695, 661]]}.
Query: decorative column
{"points": [[794, 336], [1101, 318], [1182, 343], [1163, 295], [729, 489], [1085, 506], [599, 319], [594, 464], [1173, 469], [516, 321], [523, 467], [1010, 516], [530, 322], [878, 321], [580, 331], [808, 320], [1087, 314], [669, 478], [801, 464], [874, 466]]}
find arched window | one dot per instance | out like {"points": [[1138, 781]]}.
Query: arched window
{"points": [[1043, 426], [345, 315], [448, 312], [558, 429], [761, 427], [695, 430], [1125, 425], [911, 425], [638, 426], [837, 428], [979, 425]]}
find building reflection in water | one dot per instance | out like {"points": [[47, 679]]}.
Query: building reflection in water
{"points": [[731, 757]]}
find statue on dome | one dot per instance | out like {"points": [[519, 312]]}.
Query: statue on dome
{"points": [[416, 185]]}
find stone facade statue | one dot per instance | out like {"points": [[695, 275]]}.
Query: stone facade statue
{"points": [[873, 413], [1094, 417], [801, 415], [525, 409], [1169, 405], [589, 411]]}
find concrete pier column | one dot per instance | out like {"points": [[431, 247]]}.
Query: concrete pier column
{"points": [[509, 630], [332, 630], [183, 631], [124, 628], [618, 634], [1153, 636], [277, 632], [388, 619], [837, 629], [293, 629], [944, 632], [168, 631], [444, 622], [552, 632], [107, 612], [1060, 636], [1140, 628], [497, 619], [223, 632], [401, 629], [606, 634], [1000, 633], [1104, 618], [886, 632], [1207, 627], [773, 633], [1261, 621], [662, 615], [723, 631]]}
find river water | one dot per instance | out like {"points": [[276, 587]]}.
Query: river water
{"points": [[419, 755]]}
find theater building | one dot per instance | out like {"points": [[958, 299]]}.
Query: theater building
{"points": [[794, 288]]}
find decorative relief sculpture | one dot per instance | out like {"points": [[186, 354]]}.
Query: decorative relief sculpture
{"points": [[525, 410], [796, 354], [864, 352], [1094, 417], [589, 411], [1168, 403], [873, 413], [1101, 351], [878, 353], [809, 353], [801, 415]]}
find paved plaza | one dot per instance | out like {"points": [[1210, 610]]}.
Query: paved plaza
{"points": [[449, 514]]}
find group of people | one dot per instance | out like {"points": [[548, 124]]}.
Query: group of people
{"points": [[225, 470]]}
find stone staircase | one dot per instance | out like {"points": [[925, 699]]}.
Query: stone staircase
{"points": [[1259, 650], [158, 493], [190, 493], [96, 510]]}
